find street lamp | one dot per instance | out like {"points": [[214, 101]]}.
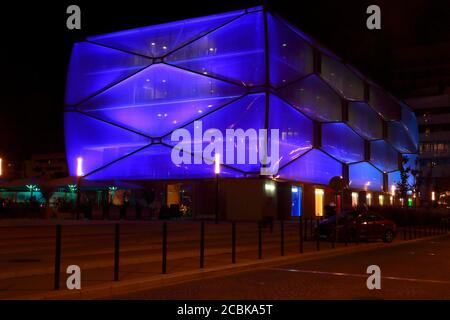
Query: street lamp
{"points": [[79, 166], [217, 172], [79, 175], [32, 188]]}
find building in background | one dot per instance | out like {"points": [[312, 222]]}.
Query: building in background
{"points": [[11, 168], [422, 78], [46, 166], [433, 114], [249, 69]]}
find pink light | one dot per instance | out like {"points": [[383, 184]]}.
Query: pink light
{"points": [[217, 163], [79, 166]]}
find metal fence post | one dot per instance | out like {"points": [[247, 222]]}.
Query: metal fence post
{"points": [[259, 240], [233, 242], [202, 244], [345, 235], [164, 247], [282, 237], [57, 257], [300, 233], [317, 237], [116, 251], [333, 241], [305, 225]]}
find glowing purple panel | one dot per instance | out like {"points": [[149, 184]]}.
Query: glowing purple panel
{"points": [[313, 97], [96, 142], [155, 162], [160, 98], [314, 166], [383, 156], [342, 142], [159, 40], [393, 179], [384, 103], [234, 51], [342, 78], [399, 137], [295, 129], [364, 176], [410, 122], [247, 113], [365, 120], [291, 57], [94, 67]]}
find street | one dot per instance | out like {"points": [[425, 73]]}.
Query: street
{"points": [[417, 270]]}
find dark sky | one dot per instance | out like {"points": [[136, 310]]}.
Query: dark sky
{"points": [[36, 46]]}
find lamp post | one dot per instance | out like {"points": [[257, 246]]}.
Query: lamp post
{"points": [[79, 175], [31, 187], [217, 172], [393, 194]]}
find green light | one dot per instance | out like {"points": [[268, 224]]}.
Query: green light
{"points": [[410, 202], [72, 187], [32, 187]]}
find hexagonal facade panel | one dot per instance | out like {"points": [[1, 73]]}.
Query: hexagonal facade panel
{"points": [[314, 166], [384, 104], [364, 120], [225, 83], [365, 176], [342, 142], [383, 156], [313, 97], [345, 81]]}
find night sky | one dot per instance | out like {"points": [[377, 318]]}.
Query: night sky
{"points": [[36, 47]]}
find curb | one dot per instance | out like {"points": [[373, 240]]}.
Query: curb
{"points": [[111, 289]]}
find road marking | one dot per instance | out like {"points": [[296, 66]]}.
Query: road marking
{"points": [[342, 274]]}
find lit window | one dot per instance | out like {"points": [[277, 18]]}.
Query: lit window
{"points": [[381, 200], [319, 195], [296, 209], [369, 199], [354, 199]]}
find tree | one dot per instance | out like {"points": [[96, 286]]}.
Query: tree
{"points": [[403, 185]]}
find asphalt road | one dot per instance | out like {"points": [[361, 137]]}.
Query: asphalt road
{"points": [[417, 270]]}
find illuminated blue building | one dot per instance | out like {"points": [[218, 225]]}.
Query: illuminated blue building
{"points": [[128, 91]]}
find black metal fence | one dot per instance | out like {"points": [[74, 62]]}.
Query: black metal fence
{"points": [[290, 233], [108, 251]]}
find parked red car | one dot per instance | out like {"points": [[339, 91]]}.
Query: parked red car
{"points": [[358, 226]]}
